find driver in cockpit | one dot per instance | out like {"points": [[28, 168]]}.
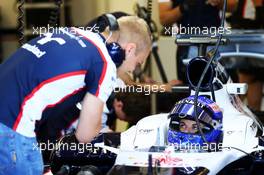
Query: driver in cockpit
{"points": [[183, 128]]}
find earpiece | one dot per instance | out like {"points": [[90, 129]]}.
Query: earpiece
{"points": [[116, 52], [114, 49]]}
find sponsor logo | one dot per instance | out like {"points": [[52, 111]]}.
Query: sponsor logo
{"points": [[34, 49], [190, 101], [145, 131], [215, 107]]}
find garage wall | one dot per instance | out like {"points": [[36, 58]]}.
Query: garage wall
{"points": [[85, 10], [8, 20], [8, 13]]}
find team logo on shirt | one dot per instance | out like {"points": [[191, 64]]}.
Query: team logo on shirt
{"points": [[34, 49]]}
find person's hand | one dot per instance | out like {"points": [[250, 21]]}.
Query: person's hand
{"points": [[175, 82], [170, 84], [147, 79], [214, 3]]}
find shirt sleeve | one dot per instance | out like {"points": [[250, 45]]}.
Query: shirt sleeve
{"points": [[101, 79]]}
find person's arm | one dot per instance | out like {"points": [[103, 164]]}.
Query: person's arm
{"points": [[167, 14], [90, 118], [99, 82]]}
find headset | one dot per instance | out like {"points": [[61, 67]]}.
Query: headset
{"points": [[114, 49]]}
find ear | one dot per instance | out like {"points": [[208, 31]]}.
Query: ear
{"points": [[118, 104], [130, 48]]}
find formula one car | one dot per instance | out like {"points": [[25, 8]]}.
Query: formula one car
{"points": [[231, 142], [146, 148]]}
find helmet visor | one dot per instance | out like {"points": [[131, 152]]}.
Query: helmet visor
{"points": [[183, 112]]}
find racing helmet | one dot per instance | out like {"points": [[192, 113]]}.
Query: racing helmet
{"points": [[209, 116]]}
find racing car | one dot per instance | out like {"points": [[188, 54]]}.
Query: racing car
{"points": [[146, 148], [231, 141]]}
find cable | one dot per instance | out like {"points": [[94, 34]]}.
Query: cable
{"points": [[21, 24], [55, 14], [149, 10], [204, 72], [146, 14], [212, 91], [230, 147]]}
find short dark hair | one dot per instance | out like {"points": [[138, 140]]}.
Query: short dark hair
{"points": [[135, 105]]}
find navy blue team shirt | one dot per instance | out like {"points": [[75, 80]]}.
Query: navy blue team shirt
{"points": [[50, 70]]}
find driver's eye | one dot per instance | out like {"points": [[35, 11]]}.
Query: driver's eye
{"points": [[195, 127], [182, 124]]}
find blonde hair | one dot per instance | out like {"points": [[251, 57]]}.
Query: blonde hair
{"points": [[134, 29]]}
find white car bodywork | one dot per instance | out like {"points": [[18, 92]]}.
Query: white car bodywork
{"points": [[239, 132]]}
